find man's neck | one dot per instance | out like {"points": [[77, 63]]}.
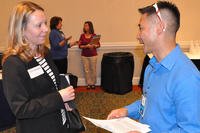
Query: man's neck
{"points": [[164, 49]]}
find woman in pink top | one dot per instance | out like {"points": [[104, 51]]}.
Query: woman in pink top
{"points": [[89, 54]]}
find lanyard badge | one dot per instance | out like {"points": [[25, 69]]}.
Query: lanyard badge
{"points": [[142, 106]]}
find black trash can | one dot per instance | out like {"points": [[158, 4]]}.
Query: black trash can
{"points": [[117, 72]]}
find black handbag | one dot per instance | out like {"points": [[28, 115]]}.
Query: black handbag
{"points": [[73, 122], [73, 79]]}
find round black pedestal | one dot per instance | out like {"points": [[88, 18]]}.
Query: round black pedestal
{"points": [[117, 72]]}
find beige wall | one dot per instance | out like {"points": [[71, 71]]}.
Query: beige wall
{"points": [[115, 20]]}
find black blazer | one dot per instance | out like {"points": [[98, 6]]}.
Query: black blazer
{"points": [[35, 102]]}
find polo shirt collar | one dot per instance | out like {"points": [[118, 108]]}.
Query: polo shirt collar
{"points": [[168, 62]]}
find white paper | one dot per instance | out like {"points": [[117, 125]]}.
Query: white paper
{"points": [[120, 125]]}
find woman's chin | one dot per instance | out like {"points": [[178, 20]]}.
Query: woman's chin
{"points": [[41, 42]]}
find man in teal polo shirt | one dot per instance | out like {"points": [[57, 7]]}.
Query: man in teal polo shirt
{"points": [[171, 92]]}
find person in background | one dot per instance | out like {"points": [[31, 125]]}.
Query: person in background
{"points": [[89, 54], [30, 77], [171, 89], [59, 44]]}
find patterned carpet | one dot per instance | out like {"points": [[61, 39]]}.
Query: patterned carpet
{"points": [[97, 104]]}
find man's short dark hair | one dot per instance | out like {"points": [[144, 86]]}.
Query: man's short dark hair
{"points": [[54, 22], [164, 5]]}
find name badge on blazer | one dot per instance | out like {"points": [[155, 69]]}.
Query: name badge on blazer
{"points": [[35, 71]]}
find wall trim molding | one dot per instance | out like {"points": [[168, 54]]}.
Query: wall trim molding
{"points": [[81, 81], [134, 45]]}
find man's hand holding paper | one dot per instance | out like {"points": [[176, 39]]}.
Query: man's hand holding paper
{"points": [[117, 113]]}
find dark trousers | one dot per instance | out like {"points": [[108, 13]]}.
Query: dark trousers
{"points": [[61, 65]]}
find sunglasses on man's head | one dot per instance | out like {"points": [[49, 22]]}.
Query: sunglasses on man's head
{"points": [[158, 13]]}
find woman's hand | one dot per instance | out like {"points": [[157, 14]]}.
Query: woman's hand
{"points": [[117, 113], [68, 38], [90, 46], [67, 94], [67, 107], [74, 43], [96, 45]]}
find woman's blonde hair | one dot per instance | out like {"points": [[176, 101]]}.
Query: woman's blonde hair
{"points": [[17, 45]]}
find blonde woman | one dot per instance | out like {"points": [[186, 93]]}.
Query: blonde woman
{"points": [[30, 78]]}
